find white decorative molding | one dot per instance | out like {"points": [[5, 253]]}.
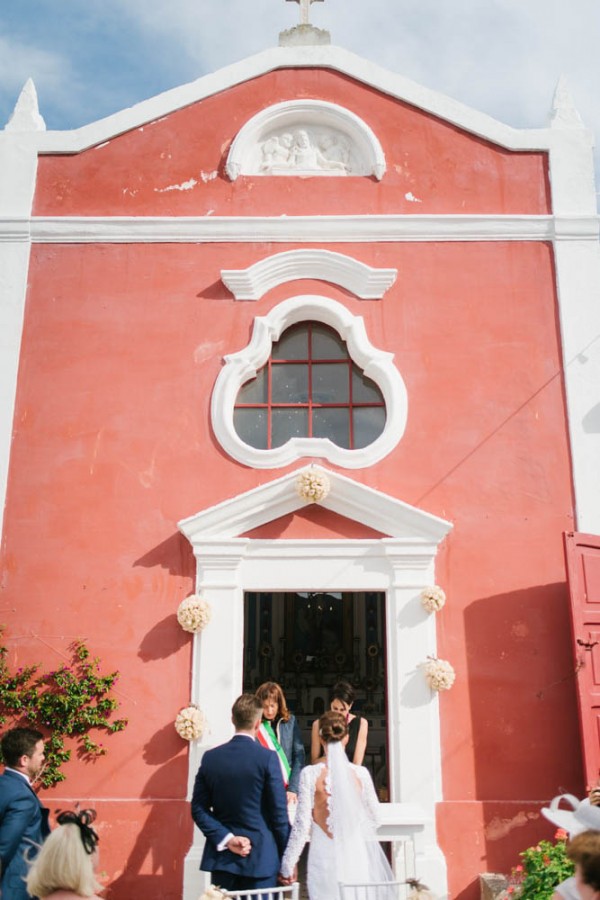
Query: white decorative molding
{"points": [[229, 564], [305, 137], [240, 367], [362, 280], [302, 229], [347, 497], [327, 57]]}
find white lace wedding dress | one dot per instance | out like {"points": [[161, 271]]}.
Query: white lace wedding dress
{"points": [[352, 855]]}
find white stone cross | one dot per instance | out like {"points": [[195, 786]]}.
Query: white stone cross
{"points": [[304, 9]]}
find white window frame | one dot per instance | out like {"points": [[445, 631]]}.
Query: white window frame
{"points": [[239, 367]]}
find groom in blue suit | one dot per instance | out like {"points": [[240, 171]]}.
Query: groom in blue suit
{"points": [[23, 820], [239, 804]]}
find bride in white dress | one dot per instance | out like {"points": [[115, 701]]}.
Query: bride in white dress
{"points": [[338, 810]]}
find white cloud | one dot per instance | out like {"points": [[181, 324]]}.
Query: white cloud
{"points": [[18, 62]]}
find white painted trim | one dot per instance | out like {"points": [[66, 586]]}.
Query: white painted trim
{"points": [[228, 565], [18, 166], [302, 229], [364, 281], [293, 114], [329, 57], [578, 286], [240, 367], [347, 497]]}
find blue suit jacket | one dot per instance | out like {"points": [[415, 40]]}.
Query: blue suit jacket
{"points": [[239, 789], [23, 827]]}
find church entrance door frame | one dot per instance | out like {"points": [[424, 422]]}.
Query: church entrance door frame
{"points": [[401, 564]]}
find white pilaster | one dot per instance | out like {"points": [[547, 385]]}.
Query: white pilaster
{"points": [[18, 166]]}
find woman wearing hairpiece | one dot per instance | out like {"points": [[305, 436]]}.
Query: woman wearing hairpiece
{"points": [[338, 810], [341, 698], [64, 867]]}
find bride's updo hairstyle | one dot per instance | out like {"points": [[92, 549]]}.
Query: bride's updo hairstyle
{"points": [[332, 727]]}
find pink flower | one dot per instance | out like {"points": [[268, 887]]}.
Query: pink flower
{"points": [[561, 835], [518, 868]]}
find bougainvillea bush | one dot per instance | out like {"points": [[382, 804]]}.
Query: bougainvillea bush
{"points": [[66, 704]]}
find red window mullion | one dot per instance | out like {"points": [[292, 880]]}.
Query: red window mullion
{"points": [[350, 405], [310, 390], [269, 406]]}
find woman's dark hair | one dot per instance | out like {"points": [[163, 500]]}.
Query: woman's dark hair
{"points": [[342, 691], [332, 727], [270, 689], [584, 850]]}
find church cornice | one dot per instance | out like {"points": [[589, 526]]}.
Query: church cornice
{"points": [[303, 229], [328, 57]]}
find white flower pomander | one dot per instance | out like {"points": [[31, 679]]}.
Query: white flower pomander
{"points": [[432, 598], [189, 723], [193, 614], [439, 674], [213, 893], [312, 487]]}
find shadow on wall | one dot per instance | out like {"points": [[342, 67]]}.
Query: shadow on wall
{"points": [[174, 554], [523, 697], [591, 420], [154, 868]]}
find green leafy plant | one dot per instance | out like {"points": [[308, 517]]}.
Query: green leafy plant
{"points": [[543, 867], [66, 704]]}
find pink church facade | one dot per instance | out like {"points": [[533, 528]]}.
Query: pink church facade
{"points": [[457, 259]]}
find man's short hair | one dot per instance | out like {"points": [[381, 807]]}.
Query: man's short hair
{"points": [[19, 742], [245, 711]]}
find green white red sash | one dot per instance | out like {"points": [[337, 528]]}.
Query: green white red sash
{"points": [[267, 737]]}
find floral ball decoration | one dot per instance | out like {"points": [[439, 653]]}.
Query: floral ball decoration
{"points": [[439, 674], [312, 487], [213, 893], [193, 614], [190, 723], [432, 598]]}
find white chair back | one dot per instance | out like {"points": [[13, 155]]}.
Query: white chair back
{"points": [[287, 892]]}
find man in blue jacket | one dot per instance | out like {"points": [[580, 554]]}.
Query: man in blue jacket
{"points": [[239, 804], [23, 820]]}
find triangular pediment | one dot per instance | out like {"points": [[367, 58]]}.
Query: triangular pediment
{"points": [[348, 498], [326, 57]]}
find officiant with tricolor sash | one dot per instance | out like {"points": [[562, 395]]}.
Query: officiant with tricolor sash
{"points": [[279, 731]]}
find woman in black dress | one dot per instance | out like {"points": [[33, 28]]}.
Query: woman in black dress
{"points": [[341, 699]]}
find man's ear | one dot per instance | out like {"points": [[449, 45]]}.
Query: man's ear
{"points": [[257, 724]]}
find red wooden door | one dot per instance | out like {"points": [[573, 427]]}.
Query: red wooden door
{"points": [[583, 571]]}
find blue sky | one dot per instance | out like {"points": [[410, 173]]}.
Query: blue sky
{"points": [[90, 58]]}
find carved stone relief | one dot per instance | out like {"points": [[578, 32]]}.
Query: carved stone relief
{"points": [[305, 138], [308, 151]]}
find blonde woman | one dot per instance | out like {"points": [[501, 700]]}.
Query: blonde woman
{"points": [[64, 868]]}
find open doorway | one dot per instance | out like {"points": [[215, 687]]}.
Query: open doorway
{"points": [[306, 641]]}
